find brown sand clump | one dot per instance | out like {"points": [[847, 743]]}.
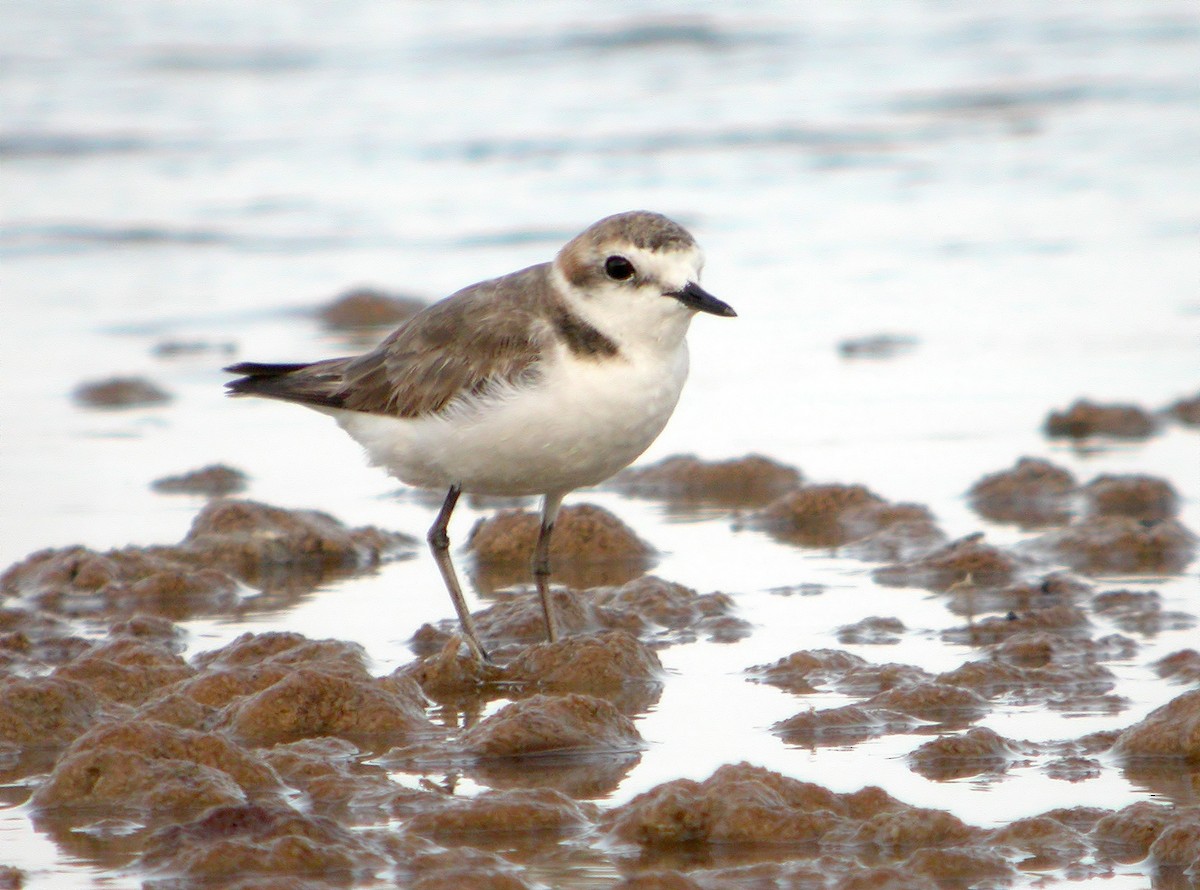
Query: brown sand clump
{"points": [[544, 724], [230, 540], [948, 757], [308, 702], [1073, 768], [1034, 492], [934, 702], [1069, 621], [1085, 418], [1056, 588], [613, 665], [519, 811], [215, 688], [1127, 834], [960, 867], [78, 582], [1082, 818], [842, 726], [872, 679], [120, 392], [647, 607], [907, 533], [1046, 843], [738, 803], [151, 769], [31, 640], [875, 630], [150, 629], [1147, 498], [366, 307], [801, 672], [833, 515], [1170, 731], [451, 673], [258, 543], [329, 773], [177, 708], [516, 619], [173, 348], [1178, 846], [1183, 665], [1139, 611], [126, 671], [238, 841], [590, 547], [161, 741], [595, 665], [877, 346], [458, 868], [287, 648], [45, 711], [1186, 410], [579, 774], [512, 622], [1064, 687], [253, 663], [744, 804], [1039, 649], [132, 784], [898, 833], [1035, 667], [1107, 545], [967, 560], [214, 480], [745, 482]]}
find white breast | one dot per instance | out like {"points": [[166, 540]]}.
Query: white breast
{"points": [[584, 420]]}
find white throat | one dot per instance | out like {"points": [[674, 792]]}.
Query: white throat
{"points": [[638, 318]]}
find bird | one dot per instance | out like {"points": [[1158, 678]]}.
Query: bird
{"points": [[539, 382]]}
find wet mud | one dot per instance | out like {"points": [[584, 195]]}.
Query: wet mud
{"points": [[590, 544], [120, 392], [366, 307], [278, 759], [215, 480], [686, 480], [1085, 418]]}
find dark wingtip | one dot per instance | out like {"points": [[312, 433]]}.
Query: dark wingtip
{"points": [[306, 383], [256, 377]]}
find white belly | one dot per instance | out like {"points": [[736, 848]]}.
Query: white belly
{"points": [[584, 421]]}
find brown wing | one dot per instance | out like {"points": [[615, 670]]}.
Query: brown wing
{"points": [[484, 334]]}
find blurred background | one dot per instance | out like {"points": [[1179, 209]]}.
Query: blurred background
{"points": [[1014, 186], [1009, 190]]}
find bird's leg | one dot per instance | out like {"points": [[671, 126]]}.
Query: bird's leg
{"points": [[541, 562], [439, 543]]}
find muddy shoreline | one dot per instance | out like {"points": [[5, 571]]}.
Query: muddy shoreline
{"points": [[278, 757]]}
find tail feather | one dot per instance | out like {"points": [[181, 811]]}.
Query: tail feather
{"points": [[318, 384]]}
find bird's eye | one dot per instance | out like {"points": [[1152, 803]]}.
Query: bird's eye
{"points": [[618, 268]]}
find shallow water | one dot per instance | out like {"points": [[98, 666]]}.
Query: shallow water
{"points": [[1013, 185]]}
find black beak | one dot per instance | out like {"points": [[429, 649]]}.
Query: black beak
{"points": [[695, 297]]}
